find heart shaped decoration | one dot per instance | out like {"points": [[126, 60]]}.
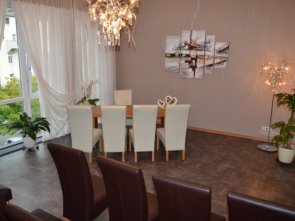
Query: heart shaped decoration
{"points": [[174, 100], [161, 104], [170, 100]]}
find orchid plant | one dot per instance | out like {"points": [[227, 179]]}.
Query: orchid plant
{"points": [[86, 89]]}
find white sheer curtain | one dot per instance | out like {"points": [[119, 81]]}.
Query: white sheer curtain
{"points": [[61, 46], [3, 5], [95, 62]]}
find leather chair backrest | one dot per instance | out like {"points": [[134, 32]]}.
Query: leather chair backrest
{"points": [[144, 125], [176, 117], [3, 204], [113, 128], [126, 191], [9, 212], [81, 124], [245, 208], [123, 97], [75, 180], [181, 200], [5, 196], [2, 216], [15, 213]]}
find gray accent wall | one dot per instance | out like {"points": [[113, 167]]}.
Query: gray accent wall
{"points": [[234, 100]]}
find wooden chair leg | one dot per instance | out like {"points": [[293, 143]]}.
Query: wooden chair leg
{"points": [[158, 142], [105, 155], [89, 157], [167, 155], [123, 157], [153, 156], [135, 157], [183, 154]]}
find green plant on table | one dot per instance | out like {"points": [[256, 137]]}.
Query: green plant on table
{"points": [[86, 88], [85, 99]]}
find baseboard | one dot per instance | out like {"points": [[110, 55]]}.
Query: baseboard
{"points": [[227, 133]]}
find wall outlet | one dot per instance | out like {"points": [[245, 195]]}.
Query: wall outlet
{"points": [[265, 128]]}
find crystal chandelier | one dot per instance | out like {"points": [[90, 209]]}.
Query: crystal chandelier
{"points": [[275, 76], [112, 17]]}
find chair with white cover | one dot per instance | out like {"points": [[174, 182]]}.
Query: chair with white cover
{"points": [[144, 127], [83, 135], [174, 132], [114, 129], [123, 97]]}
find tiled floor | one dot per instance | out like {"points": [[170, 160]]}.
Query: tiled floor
{"points": [[222, 162]]}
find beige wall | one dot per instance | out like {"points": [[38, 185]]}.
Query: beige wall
{"points": [[232, 100]]}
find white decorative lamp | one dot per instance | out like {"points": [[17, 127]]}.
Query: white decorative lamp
{"points": [[275, 79], [112, 17]]}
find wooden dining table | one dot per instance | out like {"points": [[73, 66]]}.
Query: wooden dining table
{"points": [[96, 113]]}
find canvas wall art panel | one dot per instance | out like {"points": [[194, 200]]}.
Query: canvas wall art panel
{"points": [[192, 53], [172, 54], [209, 54], [221, 55]]}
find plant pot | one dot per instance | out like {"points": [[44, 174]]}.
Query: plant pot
{"points": [[29, 142], [286, 155]]}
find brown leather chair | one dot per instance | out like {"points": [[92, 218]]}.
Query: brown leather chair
{"points": [[9, 212], [5, 195], [84, 196], [245, 208], [181, 200], [126, 192]]}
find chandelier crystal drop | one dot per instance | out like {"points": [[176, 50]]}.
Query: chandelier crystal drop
{"points": [[275, 76], [112, 17]]}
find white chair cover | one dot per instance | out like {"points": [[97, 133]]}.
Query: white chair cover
{"points": [[123, 97], [143, 133], [173, 135], [83, 135], [113, 128]]}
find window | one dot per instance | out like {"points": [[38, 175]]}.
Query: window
{"points": [[9, 59], [19, 86], [7, 21]]}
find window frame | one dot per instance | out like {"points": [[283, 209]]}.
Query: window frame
{"points": [[25, 77]]}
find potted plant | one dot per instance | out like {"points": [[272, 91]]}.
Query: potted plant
{"points": [[29, 127], [86, 100], [86, 88], [286, 150]]}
